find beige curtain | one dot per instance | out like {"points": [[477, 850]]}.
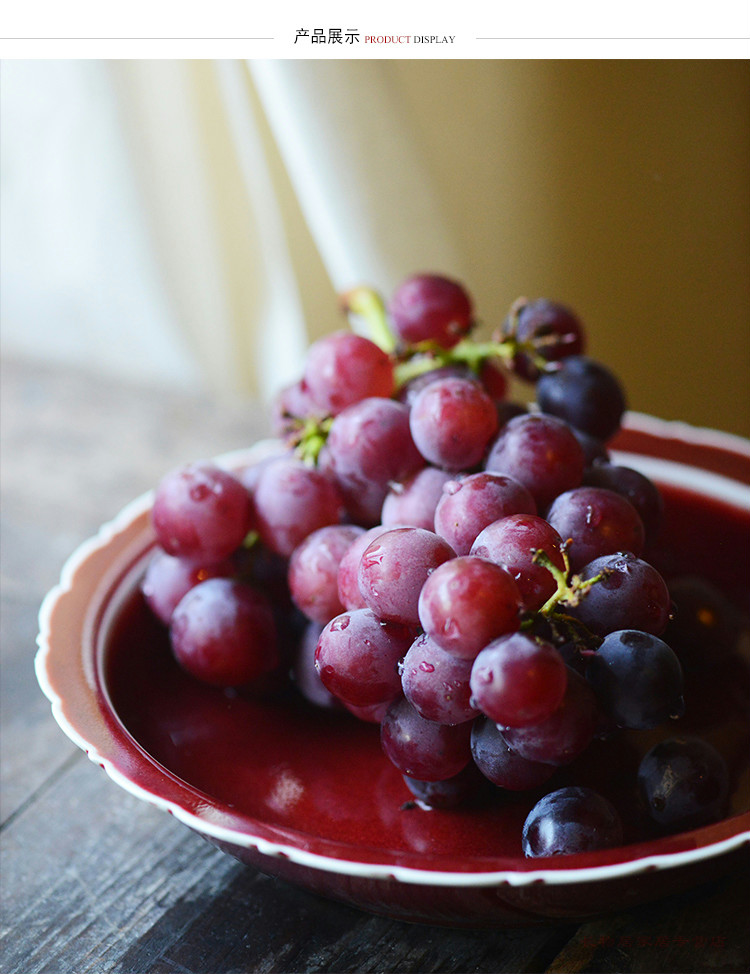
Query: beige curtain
{"points": [[620, 187]]}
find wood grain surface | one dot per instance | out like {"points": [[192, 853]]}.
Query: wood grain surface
{"points": [[94, 880]]}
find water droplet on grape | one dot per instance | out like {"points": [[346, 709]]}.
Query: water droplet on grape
{"points": [[426, 667]]}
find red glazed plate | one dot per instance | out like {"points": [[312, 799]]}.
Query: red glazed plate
{"points": [[306, 795]]}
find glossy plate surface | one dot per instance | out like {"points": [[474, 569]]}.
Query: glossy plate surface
{"points": [[307, 795]]}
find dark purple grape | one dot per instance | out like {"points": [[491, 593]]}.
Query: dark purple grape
{"points": [[511, 542], [421, 748], [343, 368], [631, 594], [553, 330], [452, 422], [223, 633], [539, 451], [637, 679], [168, 579], [585, 394], [566, 733], [507, 410], [449, 793], [466, 603], [705, 626], [395, 566], [571, 820], [594, 451], [357, 658], [431, 308], [201, 513], [467, 505], [684, 783], [413, 502], [436, 684], [642, 492], [596, 522], [304, 674], [369, 446], [314, 570], [292, 500], [518, 681], [500, 764]]}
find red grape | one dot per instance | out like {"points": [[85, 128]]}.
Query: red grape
{"points": [[293, 499], [466, 603], [431, 308], [357, 657], [469, 504], [541, 452], [511, 542], [452, 422], [566, 733], [314, 570], [518, 681], [395, 566], [168, 579], [344, 368], [369, 447], [598, 522], [201, 513], [421, 748], [436, 683], [413, 502], [223, 633]]}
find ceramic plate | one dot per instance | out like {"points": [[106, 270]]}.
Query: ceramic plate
{"points": [[306, 794]]}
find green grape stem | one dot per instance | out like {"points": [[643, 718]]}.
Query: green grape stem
{"points": [[413, 360], [365, 303], [570, 588], [250, 540], [310, 437]]}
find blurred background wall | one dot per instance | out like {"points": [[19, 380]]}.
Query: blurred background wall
{"points": [[190, 222]]}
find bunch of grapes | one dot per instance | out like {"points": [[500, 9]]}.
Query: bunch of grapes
{"points": [[465, 571]]}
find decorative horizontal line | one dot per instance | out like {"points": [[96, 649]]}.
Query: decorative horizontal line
{"points": [[137, 39], [612, 38]]}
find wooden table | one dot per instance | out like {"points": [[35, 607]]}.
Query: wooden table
{"points": [[94, 880]]}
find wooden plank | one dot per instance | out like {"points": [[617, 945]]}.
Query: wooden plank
{"points": [[97, 881], [703, 930], [87, 869], [285, 929]]}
